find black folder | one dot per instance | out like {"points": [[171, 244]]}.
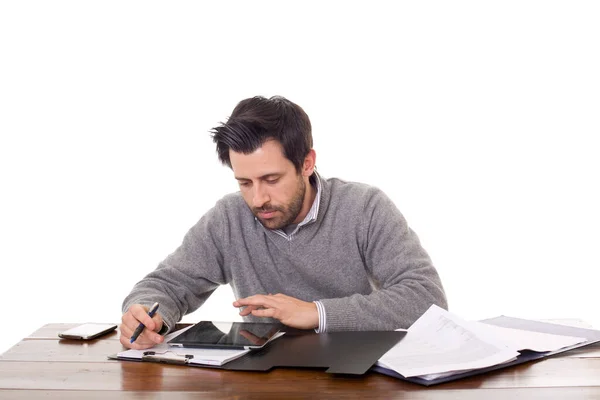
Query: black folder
{"points": [[336, 352]]}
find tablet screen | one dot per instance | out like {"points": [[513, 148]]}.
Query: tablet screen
{"points": [[227, 335]]}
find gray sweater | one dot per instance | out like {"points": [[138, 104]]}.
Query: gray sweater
{"points": [[359, 258]]}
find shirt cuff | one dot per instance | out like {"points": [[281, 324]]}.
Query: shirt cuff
{"points": [[163, 331], [322, 328]]}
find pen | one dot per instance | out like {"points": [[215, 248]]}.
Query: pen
{"points": [[141, 326]]}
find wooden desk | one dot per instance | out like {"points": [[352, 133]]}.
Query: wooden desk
{"points": [[44, 366]]}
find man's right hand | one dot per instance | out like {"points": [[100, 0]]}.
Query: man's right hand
{"points": [[149, 337]]}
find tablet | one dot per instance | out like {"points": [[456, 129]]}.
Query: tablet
{"points": [[227, 335]]}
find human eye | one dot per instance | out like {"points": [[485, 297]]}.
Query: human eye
{"points": [[244, 184], [272, 181]]}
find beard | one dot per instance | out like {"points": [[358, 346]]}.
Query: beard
{"points": [[288, 212]]}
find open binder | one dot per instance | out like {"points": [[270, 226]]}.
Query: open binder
{"points": [[336, 352], [590, 335]]}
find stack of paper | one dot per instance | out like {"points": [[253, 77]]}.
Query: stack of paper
{"points": [[165, 352], [441, 344]]}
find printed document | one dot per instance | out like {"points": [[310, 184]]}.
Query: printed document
{"points": [[440, 343]]}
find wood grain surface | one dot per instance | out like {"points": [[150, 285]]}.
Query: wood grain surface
{"points": [[44, 366]]}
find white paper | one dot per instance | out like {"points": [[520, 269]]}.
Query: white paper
{"points": [[518, 339], [440, 342], [574, 322]]}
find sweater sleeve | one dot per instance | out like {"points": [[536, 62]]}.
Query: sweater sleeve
{"points": [[405, 281], [188, 276]]}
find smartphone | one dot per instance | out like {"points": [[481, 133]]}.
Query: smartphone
{"points": [[87, 331]]}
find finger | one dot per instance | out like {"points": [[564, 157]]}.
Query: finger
{"points": [[247, 310], [131, 327], [135, 315], [125, 330], [256, 300], [158, 321], [124, 341], [251, 300], [141, 314], [129, 321], [145, 339], [137, 345], [126, 333], [148, 336], [128, 325], [265, 313]]}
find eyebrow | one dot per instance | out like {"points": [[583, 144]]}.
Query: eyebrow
{"points": [[266, 176]]}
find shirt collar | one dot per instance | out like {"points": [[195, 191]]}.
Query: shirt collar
{"points": [[314, 209]]}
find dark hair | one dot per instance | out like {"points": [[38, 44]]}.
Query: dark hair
{"points": [[258, 119]]}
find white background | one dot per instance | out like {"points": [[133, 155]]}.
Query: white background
{"points": [[480, 121]]}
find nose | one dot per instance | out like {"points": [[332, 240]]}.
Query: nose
{"points": [[260, 197]]}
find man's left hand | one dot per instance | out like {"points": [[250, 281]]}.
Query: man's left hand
{"points": [[289, 310]]}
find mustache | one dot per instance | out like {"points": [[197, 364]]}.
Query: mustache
{"points": [[265, 208]]}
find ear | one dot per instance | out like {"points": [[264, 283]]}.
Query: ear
{"points": [[309, 163]]}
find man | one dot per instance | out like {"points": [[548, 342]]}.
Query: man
{"points": [[311, 252]]}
